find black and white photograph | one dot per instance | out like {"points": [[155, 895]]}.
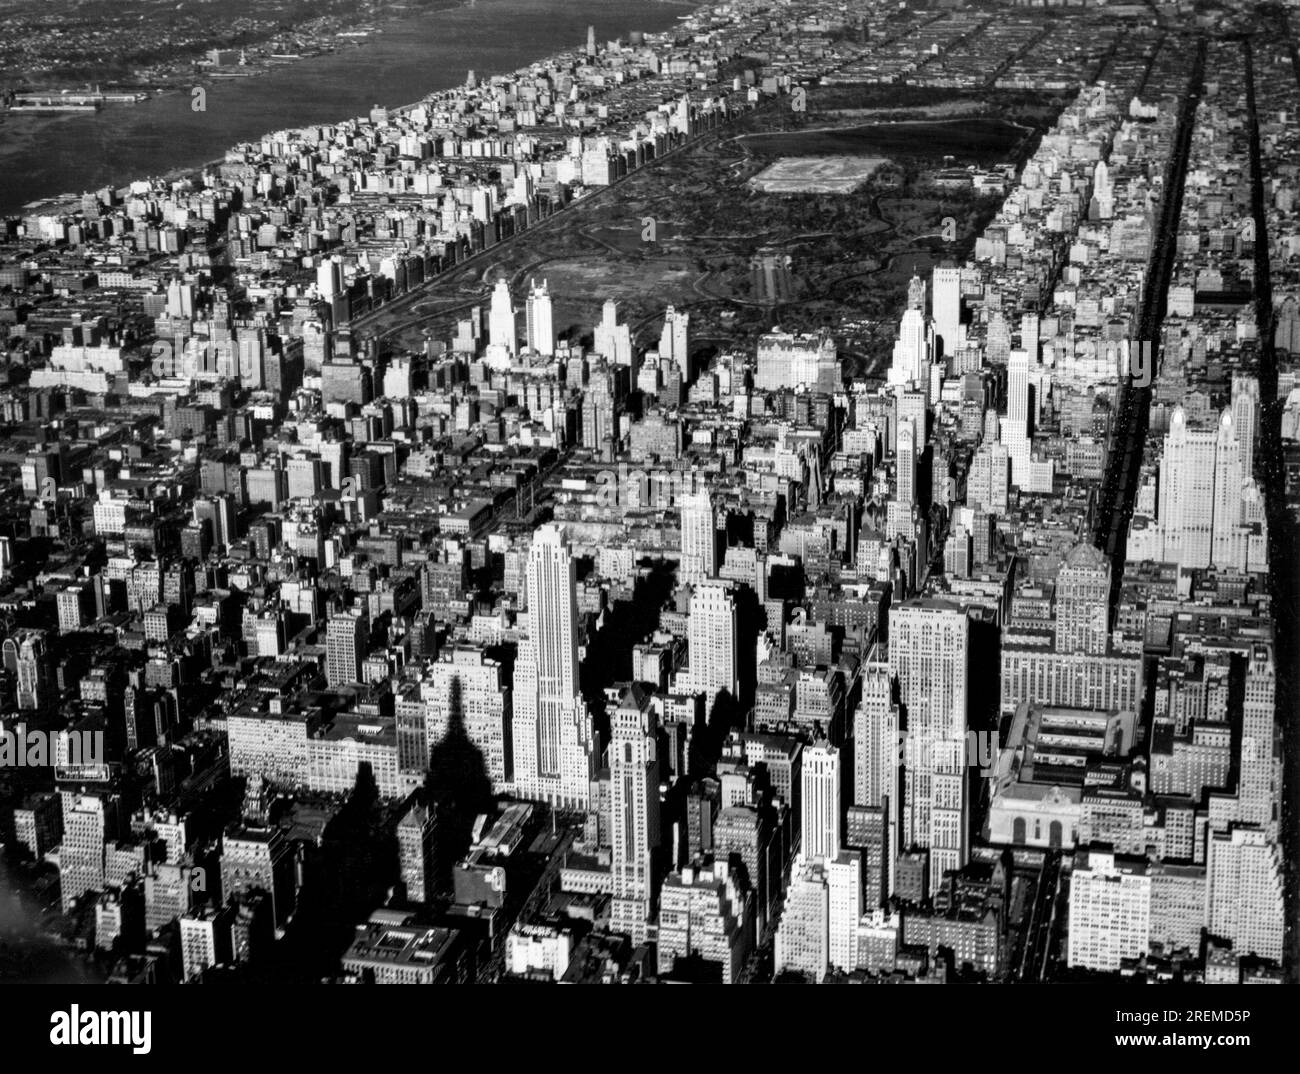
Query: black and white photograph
{"points": [[642, 492]]}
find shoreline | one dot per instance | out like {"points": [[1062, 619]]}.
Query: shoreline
{"points": [[67, 200]]}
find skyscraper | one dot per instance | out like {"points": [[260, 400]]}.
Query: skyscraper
{"points": [[1083, 601], [256, 858], [465, 685], [913, 350], [81, 854], [1186, 509], [989, 485], [1228, 480], [929, 654], [1102, 205], [907, 462], [910, 403], [329, 278], [1259, 791], [1110, 911], [699, 538], [345, 648], [552, 728], [844, 909], [634, 812], [820, 802], [415, 852], [876, 760], [704, 913], [1018, 392], [1245, 893], [26, 656], [501, 319], [1204, 493], [539, 325], [205, 939], [916, 293], [711, 639], [612, 339], [803, 935], [674, 341], [998, 339], [1245, 420], [819, 920], [945, 292], [1029, 336], [1016, 430]]}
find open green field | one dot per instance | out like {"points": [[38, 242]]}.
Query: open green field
{"points": [[816, 175]]}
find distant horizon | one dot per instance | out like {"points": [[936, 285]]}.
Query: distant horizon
{"points": [[401, 47]]}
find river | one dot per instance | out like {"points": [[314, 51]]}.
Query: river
{"points": [[45, 155]]}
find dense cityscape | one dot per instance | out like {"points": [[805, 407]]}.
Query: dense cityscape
{"points": [[805, 496]]}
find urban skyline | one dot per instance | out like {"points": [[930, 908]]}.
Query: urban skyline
{"points": [[681, 511]]}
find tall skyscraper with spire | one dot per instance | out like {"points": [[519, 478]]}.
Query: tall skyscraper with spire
{"points": [[929, 655], [1245, 420], [634, 812], [1186, 509], [998, 339], [876, 772], [538, 321], [916, 293], [908, 459], [552, 728], [1259, 787], [1207, 511], [1228, 480], [675, 342]]}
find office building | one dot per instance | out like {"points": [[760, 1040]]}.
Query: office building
{"points": [[1110, 910], [345, 648], [1083, 601], [699, 539], [929, 655], [1245, 895], [501, 320], [634, 812], [822, 823], [712, 641], [538, 321], [552, 733]]}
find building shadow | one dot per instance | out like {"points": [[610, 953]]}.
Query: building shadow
{"points": [[457, 788]]}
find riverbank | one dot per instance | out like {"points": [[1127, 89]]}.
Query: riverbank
{"points": [[45, 159]]}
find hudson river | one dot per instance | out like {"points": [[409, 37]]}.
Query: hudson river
{"points": [[47, 155]]}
